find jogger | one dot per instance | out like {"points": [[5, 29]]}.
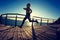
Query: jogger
{"points": [[28, 12]]}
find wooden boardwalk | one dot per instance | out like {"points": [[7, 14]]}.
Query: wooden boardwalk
{"points": [[28, 33]]}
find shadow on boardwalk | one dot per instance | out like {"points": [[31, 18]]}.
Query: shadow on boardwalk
{"points": [[28, 33], [33, 34]]}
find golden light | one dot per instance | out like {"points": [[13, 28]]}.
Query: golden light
{"points": [[29, 23]]}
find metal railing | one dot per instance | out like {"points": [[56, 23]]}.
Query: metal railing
{"points": [[5, 17]]}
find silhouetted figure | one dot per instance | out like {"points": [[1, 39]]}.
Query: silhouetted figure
{"points": [[28, 12]]}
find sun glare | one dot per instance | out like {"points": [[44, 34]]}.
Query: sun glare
{"points": [[29, 23]]}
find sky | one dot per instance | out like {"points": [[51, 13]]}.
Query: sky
{"points": [[40, 8]]}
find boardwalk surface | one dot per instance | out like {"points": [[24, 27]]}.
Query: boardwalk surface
{"points": [[27, 33]]}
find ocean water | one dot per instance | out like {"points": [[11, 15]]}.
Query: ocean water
{"points": [[12, 22]]}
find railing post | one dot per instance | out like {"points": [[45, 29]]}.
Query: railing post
{"points": [[40, 21], [16, 21], [6, 20], [32, 22], [47, 21], [0, 19]]}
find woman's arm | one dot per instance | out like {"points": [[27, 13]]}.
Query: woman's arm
{"points": [[24, 8]]}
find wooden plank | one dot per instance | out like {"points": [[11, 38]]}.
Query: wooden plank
{"points": [[26, 33]]}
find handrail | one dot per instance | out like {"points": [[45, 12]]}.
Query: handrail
{"points": [[41, 18]]}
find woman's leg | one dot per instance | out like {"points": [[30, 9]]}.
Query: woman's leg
{"points": [[32, 19], [23, 21], [29, 19]]}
